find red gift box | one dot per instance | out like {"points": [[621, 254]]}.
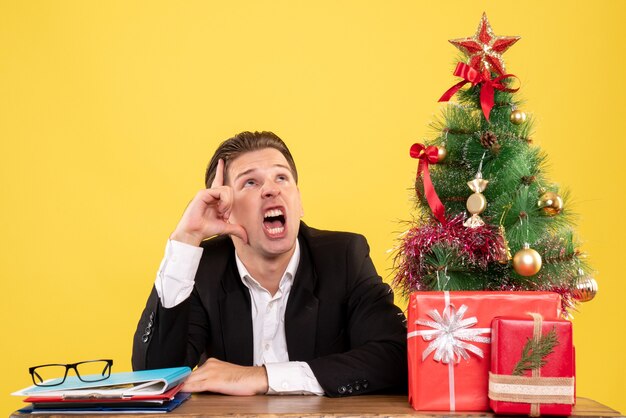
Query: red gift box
{"points": [[548, 390], [448, 344]]}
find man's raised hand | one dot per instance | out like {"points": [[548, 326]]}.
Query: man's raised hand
{"points": [[207, 214]]}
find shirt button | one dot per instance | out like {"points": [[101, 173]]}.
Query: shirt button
{"points": [[267, 347], [285, 385]]}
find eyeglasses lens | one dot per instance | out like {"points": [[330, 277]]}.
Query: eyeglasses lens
{"points": [[92, 371], [49, 375]]}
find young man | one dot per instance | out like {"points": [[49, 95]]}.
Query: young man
{"points": [[268, 305]]}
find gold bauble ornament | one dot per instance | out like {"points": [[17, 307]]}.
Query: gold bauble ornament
{"points": [[442, 153], [527, 262], [518, 117], [586, 288], [550, 203]]}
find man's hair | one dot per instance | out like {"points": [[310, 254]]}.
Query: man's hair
{"points": [[247, 142]]}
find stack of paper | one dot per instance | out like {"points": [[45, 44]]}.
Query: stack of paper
{"points": [[146, 391]]}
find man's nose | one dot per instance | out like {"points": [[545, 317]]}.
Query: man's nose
{"points": [[270, 189]]}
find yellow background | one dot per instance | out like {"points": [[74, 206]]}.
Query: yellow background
{"points": [[109, 112]]}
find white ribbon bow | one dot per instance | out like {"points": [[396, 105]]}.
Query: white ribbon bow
{"points": [[449, 333]]}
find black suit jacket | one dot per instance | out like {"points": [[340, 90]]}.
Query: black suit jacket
{"points": [[340, 317]]}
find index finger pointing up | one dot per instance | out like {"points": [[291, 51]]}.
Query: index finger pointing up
{"points": [[219, 174]]}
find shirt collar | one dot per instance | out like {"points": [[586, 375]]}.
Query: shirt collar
{"points": [[288, 275]]}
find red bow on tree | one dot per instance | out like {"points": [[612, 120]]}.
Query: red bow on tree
{"points": [[472, 75], [428, 155]]}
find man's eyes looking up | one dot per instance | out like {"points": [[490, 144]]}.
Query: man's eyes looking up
{"points": [[281, 178]]}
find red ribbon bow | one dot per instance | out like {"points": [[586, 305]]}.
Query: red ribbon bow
{"points": [[428, 155], [472, 75]]}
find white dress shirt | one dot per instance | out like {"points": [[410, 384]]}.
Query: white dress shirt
{"points": [[174, 283]]}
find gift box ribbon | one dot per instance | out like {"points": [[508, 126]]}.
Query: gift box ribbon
{"points": [[448, 338], [535, 390]]}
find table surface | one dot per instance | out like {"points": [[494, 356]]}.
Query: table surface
{"points": [[207, 405]]}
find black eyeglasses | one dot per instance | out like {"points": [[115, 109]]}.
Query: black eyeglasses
{"points": [[87, 371]]}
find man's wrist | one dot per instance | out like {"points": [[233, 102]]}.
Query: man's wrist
{"points": [[186, 238], [261, 376]]}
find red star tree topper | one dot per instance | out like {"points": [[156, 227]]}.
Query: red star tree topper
{"points": [[485, 49]]}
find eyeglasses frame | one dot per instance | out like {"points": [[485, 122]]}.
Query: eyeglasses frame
{"points": [[32, 371]]}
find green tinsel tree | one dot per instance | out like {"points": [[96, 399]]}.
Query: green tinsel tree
{"points": [[523, 239]]}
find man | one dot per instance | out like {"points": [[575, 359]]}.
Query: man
{"points": [[268, 305]]}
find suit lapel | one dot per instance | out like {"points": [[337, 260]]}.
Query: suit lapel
{"points": [[236, 317], [302, 309]]}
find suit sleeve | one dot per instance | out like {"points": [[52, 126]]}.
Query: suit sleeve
{"points": [[376, 359], [170, 337]]}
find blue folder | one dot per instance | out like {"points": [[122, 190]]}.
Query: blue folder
{"points": [[112, 409]]}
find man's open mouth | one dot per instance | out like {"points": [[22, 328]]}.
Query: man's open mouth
{"points": [[274, 221]]}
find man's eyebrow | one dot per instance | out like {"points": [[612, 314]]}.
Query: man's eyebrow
{"points": [[251, 170]]}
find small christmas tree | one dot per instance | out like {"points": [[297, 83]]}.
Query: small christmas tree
{"points": [[481, 194]]}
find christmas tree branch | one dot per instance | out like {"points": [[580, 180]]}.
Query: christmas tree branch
{"points": [[535, 352]]}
